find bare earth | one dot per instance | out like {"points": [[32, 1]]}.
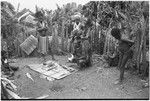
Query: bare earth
{"points": [[86, 84]]}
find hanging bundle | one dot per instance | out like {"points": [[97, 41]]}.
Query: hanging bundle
{"points": [[29, 44]]}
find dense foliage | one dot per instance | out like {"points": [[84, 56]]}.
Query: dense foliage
{"points": [[100, 16]]}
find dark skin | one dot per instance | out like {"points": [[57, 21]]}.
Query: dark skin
{"points": [[124, 56], [125, 53], [82, 50], [43, 33], [84, 57]]}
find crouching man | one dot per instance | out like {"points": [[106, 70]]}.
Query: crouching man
{"points": [[125, 52], [84, 59]]}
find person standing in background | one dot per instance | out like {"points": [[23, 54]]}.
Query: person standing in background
{"points": [[43, 41]]}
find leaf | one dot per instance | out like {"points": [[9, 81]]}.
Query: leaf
{"points": [[12, 85]]}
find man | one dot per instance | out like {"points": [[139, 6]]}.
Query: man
{"points": [[125, 52], [77, 46], [76, 33], [85, 59], [77, 25], [84, 51], [43, 41]]}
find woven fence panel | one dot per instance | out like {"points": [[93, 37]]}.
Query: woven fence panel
{"points": [[29, 44]]}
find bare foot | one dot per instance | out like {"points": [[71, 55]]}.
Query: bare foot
{"points": [[118, 81]]}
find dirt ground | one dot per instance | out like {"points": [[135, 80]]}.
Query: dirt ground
{"points": [[90, 83]]}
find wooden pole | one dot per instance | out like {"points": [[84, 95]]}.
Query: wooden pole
{"points": [[66, 38], [62, 35], [141, 44], [105, 44], [107, 36], [18, 7], [144, 48]]}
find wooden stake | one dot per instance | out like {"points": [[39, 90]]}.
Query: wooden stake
{"points": [[18, 7]]}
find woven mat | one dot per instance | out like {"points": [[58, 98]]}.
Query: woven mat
{"points": [[52, 69]]}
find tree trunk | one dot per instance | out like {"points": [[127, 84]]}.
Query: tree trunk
{"points": [[108, 44], [62, 35], [95, 39], [107, 39], [55, 41], [144, 50], [141, 44], [105, 46], [66, 39]]}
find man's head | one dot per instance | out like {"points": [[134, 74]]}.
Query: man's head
{"points": [[22, 29], [115, 32]]}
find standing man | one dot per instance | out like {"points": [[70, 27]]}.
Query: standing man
{"points": [[75, 34], [43, 41], [125, 52]]}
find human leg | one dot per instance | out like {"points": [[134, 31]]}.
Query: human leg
{"points": [[122, 66]]}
